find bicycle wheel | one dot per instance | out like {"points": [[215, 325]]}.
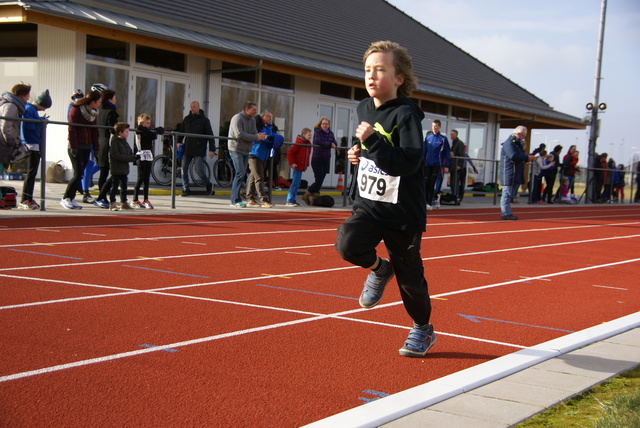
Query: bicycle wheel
{"points": [[223, 172], [195, 177], [161, 170]]}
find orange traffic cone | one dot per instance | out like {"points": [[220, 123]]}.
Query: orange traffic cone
{"points": [[340, 185]]}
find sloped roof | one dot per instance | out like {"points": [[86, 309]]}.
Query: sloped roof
{"points": [[329, 37]]}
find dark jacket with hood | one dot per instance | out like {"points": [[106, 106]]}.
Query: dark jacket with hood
{"points": [[197, 124], [107, 116], [396, 148]]}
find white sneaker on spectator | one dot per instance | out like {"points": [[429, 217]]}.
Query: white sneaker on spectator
{"points": [[66, 203]]}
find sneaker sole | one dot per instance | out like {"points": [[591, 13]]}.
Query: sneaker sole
{"points": [[405, 352]]}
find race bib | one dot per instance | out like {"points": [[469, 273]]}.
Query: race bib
{"points": [[146, 155], [375, 184]]}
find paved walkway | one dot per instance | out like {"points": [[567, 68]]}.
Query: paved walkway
{"points": [[499, 393]]}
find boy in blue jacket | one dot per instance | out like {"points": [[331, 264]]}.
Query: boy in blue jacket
{"points": [[390, 196], [32, 136]]}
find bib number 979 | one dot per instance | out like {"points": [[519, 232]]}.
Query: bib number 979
{"points": [[373, 184]]}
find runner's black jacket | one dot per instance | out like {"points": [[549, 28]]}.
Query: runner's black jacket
{"points": [[400, 119]]}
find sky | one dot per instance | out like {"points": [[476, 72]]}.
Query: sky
{"points": [[549, 48]]}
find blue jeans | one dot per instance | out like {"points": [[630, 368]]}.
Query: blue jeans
{"points": [[296, 177], [505, 200], [240, 163], [186, 161]]}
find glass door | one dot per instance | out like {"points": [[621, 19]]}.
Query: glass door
{"points": [[341, 117]]}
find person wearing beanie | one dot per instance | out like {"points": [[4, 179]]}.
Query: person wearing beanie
{"points": [[32, 135]]}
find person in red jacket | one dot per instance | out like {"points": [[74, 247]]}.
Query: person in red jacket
{"points": [[81, 138], [298, 158]]}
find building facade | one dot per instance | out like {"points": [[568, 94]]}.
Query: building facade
{"points": [[159, 62]]}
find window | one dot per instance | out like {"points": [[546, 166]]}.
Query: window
{"points": [[18, 40], [360, 94], [107, 50], [231, 102], [461, 113], [433, 107], [160, 58], [479, 116], [237, 75], [115, 79], [335, 90], [277, 80]]}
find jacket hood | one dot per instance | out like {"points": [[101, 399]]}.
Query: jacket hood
{"points": [[400, 101]]}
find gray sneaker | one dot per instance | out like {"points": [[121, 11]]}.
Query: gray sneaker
{"points": [[374, 288], [418, 342]]}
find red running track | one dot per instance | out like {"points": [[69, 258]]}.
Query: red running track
{"points": [[251, 320]]}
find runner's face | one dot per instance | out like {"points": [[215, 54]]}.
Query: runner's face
{"points": [[380, 76]]}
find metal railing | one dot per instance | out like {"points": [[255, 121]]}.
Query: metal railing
{"points": [[175, 136]]}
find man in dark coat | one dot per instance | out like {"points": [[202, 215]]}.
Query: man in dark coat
{"points": [[195, 148], [512, 160]]}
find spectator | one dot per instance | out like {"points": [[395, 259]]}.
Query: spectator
{"points": [[298, 158], [195, 147], [618, 184], [323, 142], [32, 135], [258, 160], [512, 160], [569, 166], [458, 172], [274, 152], [120, 156], [467, 163], [391, 153], [636, 197], [610, 169], [539, 168], [81, 138], [92, 164], [242, 133], [437, 155], [539, 150], [12, 104], [551, 174], [145, 137], [600, 175], [107, 116]]}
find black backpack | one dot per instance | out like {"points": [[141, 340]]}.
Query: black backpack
{"points": [[324, 201]]}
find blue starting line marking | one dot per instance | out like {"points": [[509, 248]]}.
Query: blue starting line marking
{"points": [[146, 345], [44, 254], [372, 392], [305, 291], [166, 271], [474, 318]]}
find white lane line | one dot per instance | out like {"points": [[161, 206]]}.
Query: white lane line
{"points": [[317, 317], [612, 288], [474, 271], [535, 279], [181, 223], [339, 315], [216, 235], [555, 244]]}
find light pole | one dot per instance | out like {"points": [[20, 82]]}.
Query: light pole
{"points": [[596, 104]]}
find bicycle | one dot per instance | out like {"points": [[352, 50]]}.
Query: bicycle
{"points": [[223, 170], [161, 166]]}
